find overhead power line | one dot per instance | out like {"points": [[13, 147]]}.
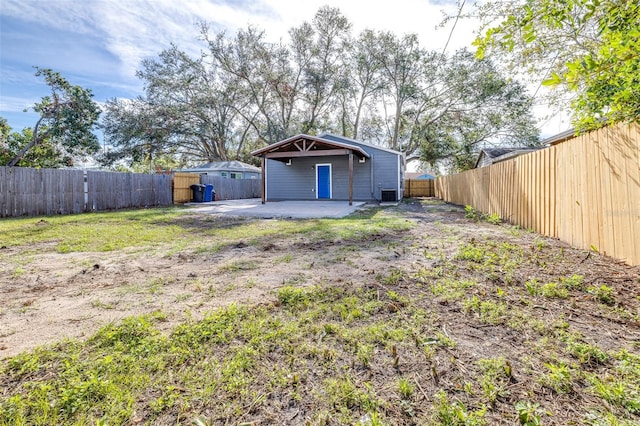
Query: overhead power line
{"points": [[454, 27]]}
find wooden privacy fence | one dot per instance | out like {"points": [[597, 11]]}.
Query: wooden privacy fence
{"points": [[33, 192], [233, 189], [225, 188], [108, 190], [182, 182], [585, 191], [419, 188]]}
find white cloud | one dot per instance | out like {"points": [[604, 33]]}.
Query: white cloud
{"points": [[398, 16], [134, 30], [131, 30], [16, 104]]}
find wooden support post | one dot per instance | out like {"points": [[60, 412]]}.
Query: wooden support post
{"points": [[350, 178], [263, 179]]}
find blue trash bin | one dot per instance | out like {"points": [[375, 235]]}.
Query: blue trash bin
{"points": [[208, 193]]}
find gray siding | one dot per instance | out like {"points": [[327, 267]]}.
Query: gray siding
{"points": [[385, 173], [298, 181], [385, 167]]}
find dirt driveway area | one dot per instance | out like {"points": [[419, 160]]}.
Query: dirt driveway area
{"points": [[46, 296]]}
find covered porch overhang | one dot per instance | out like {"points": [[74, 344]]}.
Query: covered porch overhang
{"points": [[308, 146]]}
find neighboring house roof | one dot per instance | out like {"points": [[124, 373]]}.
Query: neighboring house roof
{"points": [[298, 144], [418, 175], [560, 137], [489, 156], [225, 166]]}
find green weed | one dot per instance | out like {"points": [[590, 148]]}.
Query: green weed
{"points": [[493, 218], [294, 297], [586, 353], [558, 289], [604, 294], [473, 253], [102, 305], [287, 258], [405, 388], [574, 282], [621, 385], [551, 289], [344, 393], [496, 374], [489, 311], [451, 290], [365, 354], [392, 278], [455, 413], [528, 413], [558, 378], [471, 213]]}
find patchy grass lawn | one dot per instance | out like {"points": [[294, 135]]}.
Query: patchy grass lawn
{"points": [[412, 315]]}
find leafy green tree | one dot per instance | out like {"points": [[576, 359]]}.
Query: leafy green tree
{"points": [[188, 108], [136, 132], [5, 131], [267, 79], [361, 85], [474, 105], [67, 119], [590, 49], [46, 154], [402, 64], [325, 41], [242, 91]]}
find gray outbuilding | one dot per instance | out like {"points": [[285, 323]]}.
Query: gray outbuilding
{"points": [[227, 169], [330, 167]]}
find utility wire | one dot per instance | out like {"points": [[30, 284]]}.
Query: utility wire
{"points": [[454, 27]]}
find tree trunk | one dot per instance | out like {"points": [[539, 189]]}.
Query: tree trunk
{"points": [[28, 146]]}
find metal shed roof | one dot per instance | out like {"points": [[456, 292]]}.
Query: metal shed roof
{"points": [[230, 166]]}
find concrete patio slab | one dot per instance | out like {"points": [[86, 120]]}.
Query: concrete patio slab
{"points": [[278, 209]]}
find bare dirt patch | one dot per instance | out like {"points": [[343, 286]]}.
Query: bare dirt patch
{"points": [[55, 296], [451, 317], [48, 296]]}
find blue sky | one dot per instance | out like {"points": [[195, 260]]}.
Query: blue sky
{"points": [[99, 44]]}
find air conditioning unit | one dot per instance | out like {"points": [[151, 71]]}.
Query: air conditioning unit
{"points": [[389, 195]]}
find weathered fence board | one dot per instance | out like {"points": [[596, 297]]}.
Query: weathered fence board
{"points": [[34, 192], [233, 189], [585, 191], [111, 191], [419, 188]]}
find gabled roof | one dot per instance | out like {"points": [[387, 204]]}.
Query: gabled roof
{"points": [[300, 144], [560, 137], [501, 154], [225, 166], [322, 135], [497, 152]]}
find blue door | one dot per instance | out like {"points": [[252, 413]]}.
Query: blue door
{"points": [[324, 180]]}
